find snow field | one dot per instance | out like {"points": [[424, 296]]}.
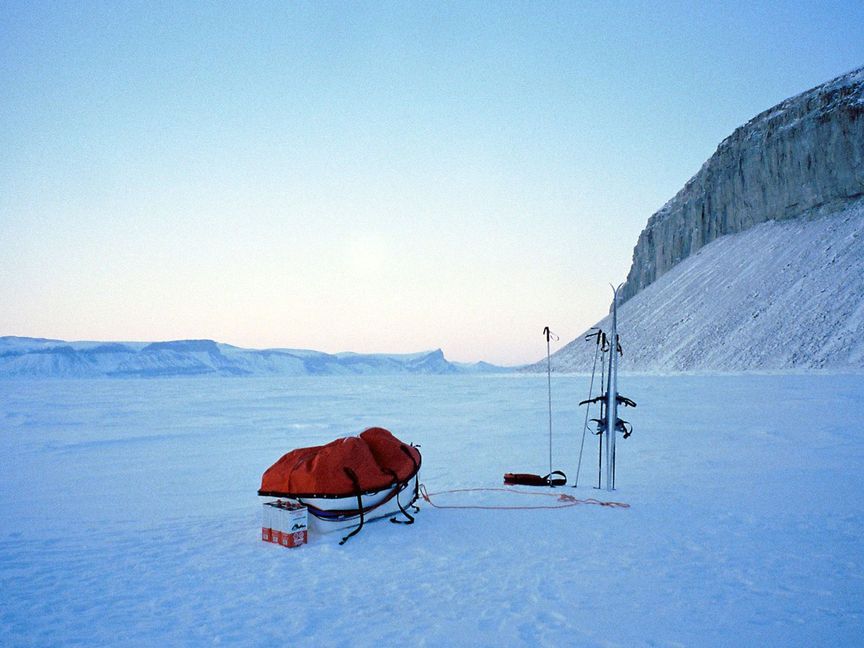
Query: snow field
{"points": [[130, 515]]}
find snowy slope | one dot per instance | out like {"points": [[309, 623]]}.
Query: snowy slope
{"points": [[130, 516], [782, 295], [39, 357]]}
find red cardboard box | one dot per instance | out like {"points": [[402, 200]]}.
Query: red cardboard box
{"points": [[284, 523]]}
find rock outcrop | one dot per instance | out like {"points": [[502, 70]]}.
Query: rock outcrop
{"points": [[803, 156]]}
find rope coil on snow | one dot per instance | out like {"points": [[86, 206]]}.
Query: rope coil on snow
{"points": [[565, 499]]}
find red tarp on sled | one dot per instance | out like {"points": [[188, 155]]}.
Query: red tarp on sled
{"points": [[319, 471]]}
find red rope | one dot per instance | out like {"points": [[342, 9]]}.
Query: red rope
{"points": [[565, 499]]}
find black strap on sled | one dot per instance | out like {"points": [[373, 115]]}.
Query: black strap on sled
{"points": [[528, 479], [356, 482], [415, 472], [410, 517], [399, 488]]}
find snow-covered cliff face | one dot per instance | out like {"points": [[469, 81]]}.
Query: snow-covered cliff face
{"points": [[782, 295], [805, 155]]}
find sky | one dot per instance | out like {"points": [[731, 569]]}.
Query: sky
{"points": [[369, 177]]}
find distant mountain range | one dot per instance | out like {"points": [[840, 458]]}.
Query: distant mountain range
{"points": [[24, 357]]}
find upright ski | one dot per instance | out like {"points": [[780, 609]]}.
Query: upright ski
{"points": [[608, 423]]}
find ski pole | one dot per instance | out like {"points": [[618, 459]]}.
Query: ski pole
{"points": [[549, 335], [588, 408], [603, 350], [599, 453]]}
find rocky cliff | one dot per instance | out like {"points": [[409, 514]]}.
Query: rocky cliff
{"points": [[803, 156], [783, 295]]}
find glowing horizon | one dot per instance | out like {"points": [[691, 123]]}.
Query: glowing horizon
{"points": [[368, 178]]}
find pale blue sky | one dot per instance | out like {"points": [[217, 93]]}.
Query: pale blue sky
{"points": [[381, 177]]}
